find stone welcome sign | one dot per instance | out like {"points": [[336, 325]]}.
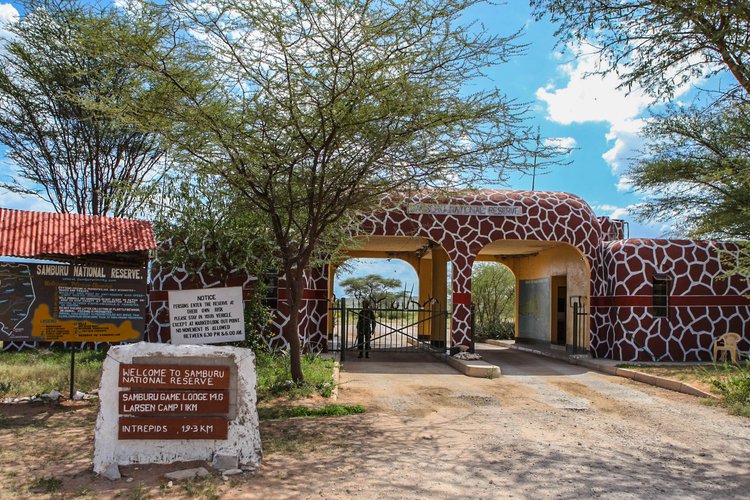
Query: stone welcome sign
{"points": [[163, 404], [173, 406]]}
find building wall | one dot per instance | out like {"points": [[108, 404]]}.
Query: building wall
{"points": [[615, 276], [703, 303], [544, 216]]}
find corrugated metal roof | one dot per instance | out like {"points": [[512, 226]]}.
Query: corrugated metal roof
{"points": [[35, 234]]}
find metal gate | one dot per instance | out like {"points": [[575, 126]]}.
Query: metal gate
{"points": [[401, 326]]}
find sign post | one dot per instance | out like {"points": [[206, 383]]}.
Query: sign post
{"points": [[162, 403], [178, 413], [72, 369]]}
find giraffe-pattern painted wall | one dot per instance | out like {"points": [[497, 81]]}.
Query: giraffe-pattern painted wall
{"points": [[544, 216], [703, 302]]}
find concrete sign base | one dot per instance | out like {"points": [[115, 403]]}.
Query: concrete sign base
{"points": [[111, 448]]}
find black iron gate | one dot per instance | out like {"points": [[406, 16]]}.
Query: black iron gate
{"points": [[402, 326]]}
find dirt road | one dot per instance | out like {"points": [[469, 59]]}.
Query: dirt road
{"points": [[543, 429]]}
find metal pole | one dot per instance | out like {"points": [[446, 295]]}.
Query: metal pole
{"points": [[575, 327], [344, 329], [72, 369], [473, 329]]}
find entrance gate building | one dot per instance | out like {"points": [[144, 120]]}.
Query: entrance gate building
{"points": [[579, 280]]}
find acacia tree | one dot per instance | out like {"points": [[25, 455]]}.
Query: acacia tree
{"points": [[312, 111], [696, 170], [67, 147], [372, 287], [659, 44]]}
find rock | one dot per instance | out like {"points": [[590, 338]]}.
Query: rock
{"points": [[233, 472], [129, 480], [180, 475], [467, 356], [52, 395], [225, 462], [78, 396], [111, 472], [170, 484]]}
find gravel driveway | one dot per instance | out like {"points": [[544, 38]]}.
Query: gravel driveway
{"points": [[544, 429]]}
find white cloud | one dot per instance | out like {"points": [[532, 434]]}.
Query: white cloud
{"points": [[589, 97], [613, 211], [24, 202], [561, 142], [8, 15], [624, 184]]}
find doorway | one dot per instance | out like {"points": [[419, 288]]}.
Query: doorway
{"points": [[562, 317], [559, 310]]}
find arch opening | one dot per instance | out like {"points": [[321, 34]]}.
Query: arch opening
{"points": [[552, 288], [404, 281]]}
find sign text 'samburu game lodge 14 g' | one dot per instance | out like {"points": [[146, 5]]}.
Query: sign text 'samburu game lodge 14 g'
{"points": [[579, 280]]}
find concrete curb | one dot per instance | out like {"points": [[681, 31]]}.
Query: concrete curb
{"points": [[645, 378], [474, 368]]}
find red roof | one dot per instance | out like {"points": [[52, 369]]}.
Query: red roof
{"points": [[39, 234]]}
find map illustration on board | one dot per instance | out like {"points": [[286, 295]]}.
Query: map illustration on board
{"points": [[16, 298], [59, 302]]}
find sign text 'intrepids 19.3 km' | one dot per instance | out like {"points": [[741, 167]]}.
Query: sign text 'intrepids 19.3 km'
{"points": [[173, 402], [71, 303]]}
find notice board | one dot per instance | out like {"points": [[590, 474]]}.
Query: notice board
{"points": [[71, 303], [207, 316]]}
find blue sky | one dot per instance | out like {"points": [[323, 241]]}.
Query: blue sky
{"points": [[591, 114]]}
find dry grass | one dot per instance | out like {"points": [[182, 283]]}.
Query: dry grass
{"points": [[39, 371]]}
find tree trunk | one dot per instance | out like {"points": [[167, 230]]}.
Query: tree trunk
{"points": [[294, 293]]}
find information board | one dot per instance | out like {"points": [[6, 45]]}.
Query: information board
{"points": [[167, 401], [71, 303], [206, 316]]}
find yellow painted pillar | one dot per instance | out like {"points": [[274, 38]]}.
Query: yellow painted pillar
{"points": [[425, 293]]}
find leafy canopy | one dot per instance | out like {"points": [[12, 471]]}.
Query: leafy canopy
{"points": [[60, 85], [313, 111], [658, 44], [696, 170], [372, 287]]}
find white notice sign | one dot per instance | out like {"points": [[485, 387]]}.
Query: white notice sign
{"points": [[207, 316]]}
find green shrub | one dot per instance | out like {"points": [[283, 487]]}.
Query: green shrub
{"points": [[274, 378], [735, 391], [336, 410]]}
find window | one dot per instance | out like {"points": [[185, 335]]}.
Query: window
{"points": [[271, 280], [661, 287]]}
